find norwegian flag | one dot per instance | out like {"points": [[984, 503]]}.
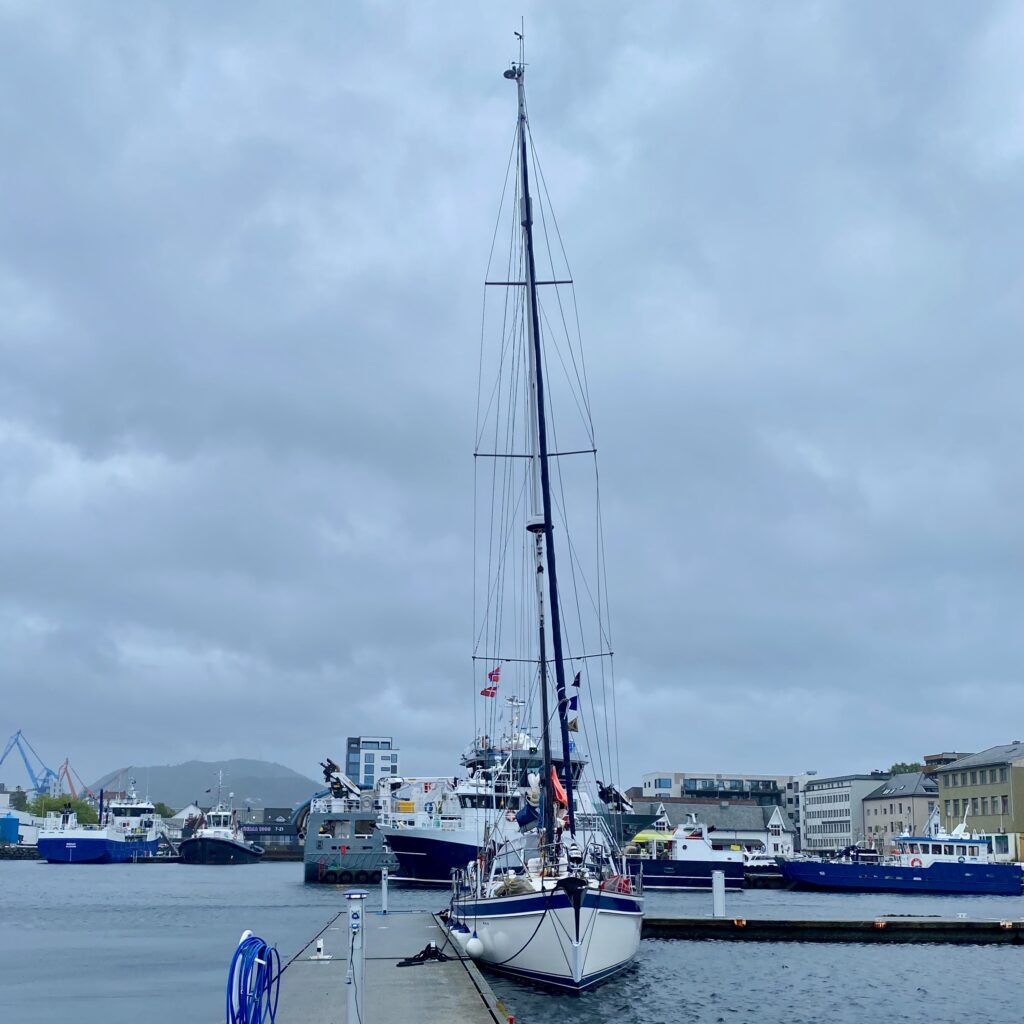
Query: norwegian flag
{"points": [[495, 675], [489, 691]]}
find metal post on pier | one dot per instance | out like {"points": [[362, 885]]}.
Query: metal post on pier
{"points": [[718, 893], [384, 890], [354, 977]]}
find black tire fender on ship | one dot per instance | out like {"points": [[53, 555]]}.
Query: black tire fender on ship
{"points": [[361, 878], [375, 878], [330, 877], [345, 878]]}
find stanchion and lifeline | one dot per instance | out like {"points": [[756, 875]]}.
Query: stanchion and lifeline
{"points": [[254, 982], [355, 898]]}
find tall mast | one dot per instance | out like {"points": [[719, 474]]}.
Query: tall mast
{"points": [[540, 524]]}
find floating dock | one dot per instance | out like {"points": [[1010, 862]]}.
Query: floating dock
{"points": [[879, 929], [313, 991]]}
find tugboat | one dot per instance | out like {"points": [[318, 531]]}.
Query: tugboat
{"points": [[126, 832], [342, 842], [217, 839], [937, 862]]}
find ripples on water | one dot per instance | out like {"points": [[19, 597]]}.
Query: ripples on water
{"points": [[101, 945]]}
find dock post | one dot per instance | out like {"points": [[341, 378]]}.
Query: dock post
{"points": [[384, 890], [718, 893], [354, 978]]}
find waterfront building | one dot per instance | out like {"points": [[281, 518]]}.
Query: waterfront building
{"points": [[989, 788], [832, 811], [900, 804], [933, 762], [761, 789], [730, 822], [368, 758]]}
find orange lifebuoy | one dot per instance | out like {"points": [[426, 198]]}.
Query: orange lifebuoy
{"points": [[510, 815], [558, 788], [915, 862]]}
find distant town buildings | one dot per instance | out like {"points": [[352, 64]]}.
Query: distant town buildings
{"points": [[988, 788], [902, 803], [870, 808], [368, 758], [731, 823], [833, 816]]}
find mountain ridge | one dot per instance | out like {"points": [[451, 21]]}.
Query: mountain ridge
{"points": [[253, 782]]}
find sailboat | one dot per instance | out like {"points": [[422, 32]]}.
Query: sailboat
{"points": [[550, 902]]}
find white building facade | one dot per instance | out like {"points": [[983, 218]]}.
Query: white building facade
{"points": [[369, 758], [832, 813]]}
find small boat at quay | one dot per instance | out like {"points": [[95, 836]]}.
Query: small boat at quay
{"points": [[127, 831], [938, 863], [683, 859], [217, 839]]}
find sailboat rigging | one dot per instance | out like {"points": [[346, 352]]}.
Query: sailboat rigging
{"points": [[554, 905]]}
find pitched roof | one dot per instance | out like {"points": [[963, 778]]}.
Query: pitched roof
{"points": [[905, 785], [994, 755], [725, 816]]}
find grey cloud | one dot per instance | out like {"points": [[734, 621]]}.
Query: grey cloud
{"points": [[240, 266]]}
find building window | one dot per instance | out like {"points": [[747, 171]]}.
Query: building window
{"points": [[948, 808], [1002, 774], [956, 808], [1006, 804], [974, 805], [662, 783]]}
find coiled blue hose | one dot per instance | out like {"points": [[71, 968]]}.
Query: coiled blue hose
{"points": [[254, 983]]}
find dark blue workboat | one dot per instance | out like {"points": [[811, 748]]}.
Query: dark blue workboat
{"points": [[940, 863]]}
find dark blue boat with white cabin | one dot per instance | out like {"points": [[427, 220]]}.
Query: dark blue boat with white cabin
{"points": [[938, 863], [683, 859]]}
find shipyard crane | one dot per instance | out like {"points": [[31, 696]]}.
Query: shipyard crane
{"points": [[64, 774], [45, 781]]}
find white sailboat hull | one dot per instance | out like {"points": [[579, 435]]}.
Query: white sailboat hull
{"points": [[536, 937]]}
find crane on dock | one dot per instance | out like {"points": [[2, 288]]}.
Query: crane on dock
{"points": [[45, 781], [64, 774]]}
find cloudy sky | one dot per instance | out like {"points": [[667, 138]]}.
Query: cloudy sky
{"points": [[241, 254]]}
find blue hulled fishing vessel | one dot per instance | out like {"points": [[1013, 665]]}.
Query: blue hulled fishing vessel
{"points": [[939, 863]]}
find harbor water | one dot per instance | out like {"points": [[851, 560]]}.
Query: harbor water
{"points": [[104, 944]]}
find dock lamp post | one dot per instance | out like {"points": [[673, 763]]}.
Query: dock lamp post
{"points": [[354, 987]]}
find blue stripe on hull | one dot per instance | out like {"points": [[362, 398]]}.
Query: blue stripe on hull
{"points": [[532, 903], [93, 850], [684, 874], [938, 879], [428, 861]]}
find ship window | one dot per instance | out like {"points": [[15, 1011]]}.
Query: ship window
{"points": [[913, 848], [1002, 844], [364, 828], [961, 851], [936, 848], [972, 851], [948, 850]]}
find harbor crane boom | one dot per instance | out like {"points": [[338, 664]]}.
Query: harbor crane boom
{"points": [[45, 781]]}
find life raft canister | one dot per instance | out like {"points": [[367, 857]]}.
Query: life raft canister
{"points": [[558, 788]]}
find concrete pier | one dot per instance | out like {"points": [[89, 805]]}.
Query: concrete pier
{"points": [[314, 991], [880, 929]]}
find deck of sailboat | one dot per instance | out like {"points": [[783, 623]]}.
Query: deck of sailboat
{"points": [[314, 990]]}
